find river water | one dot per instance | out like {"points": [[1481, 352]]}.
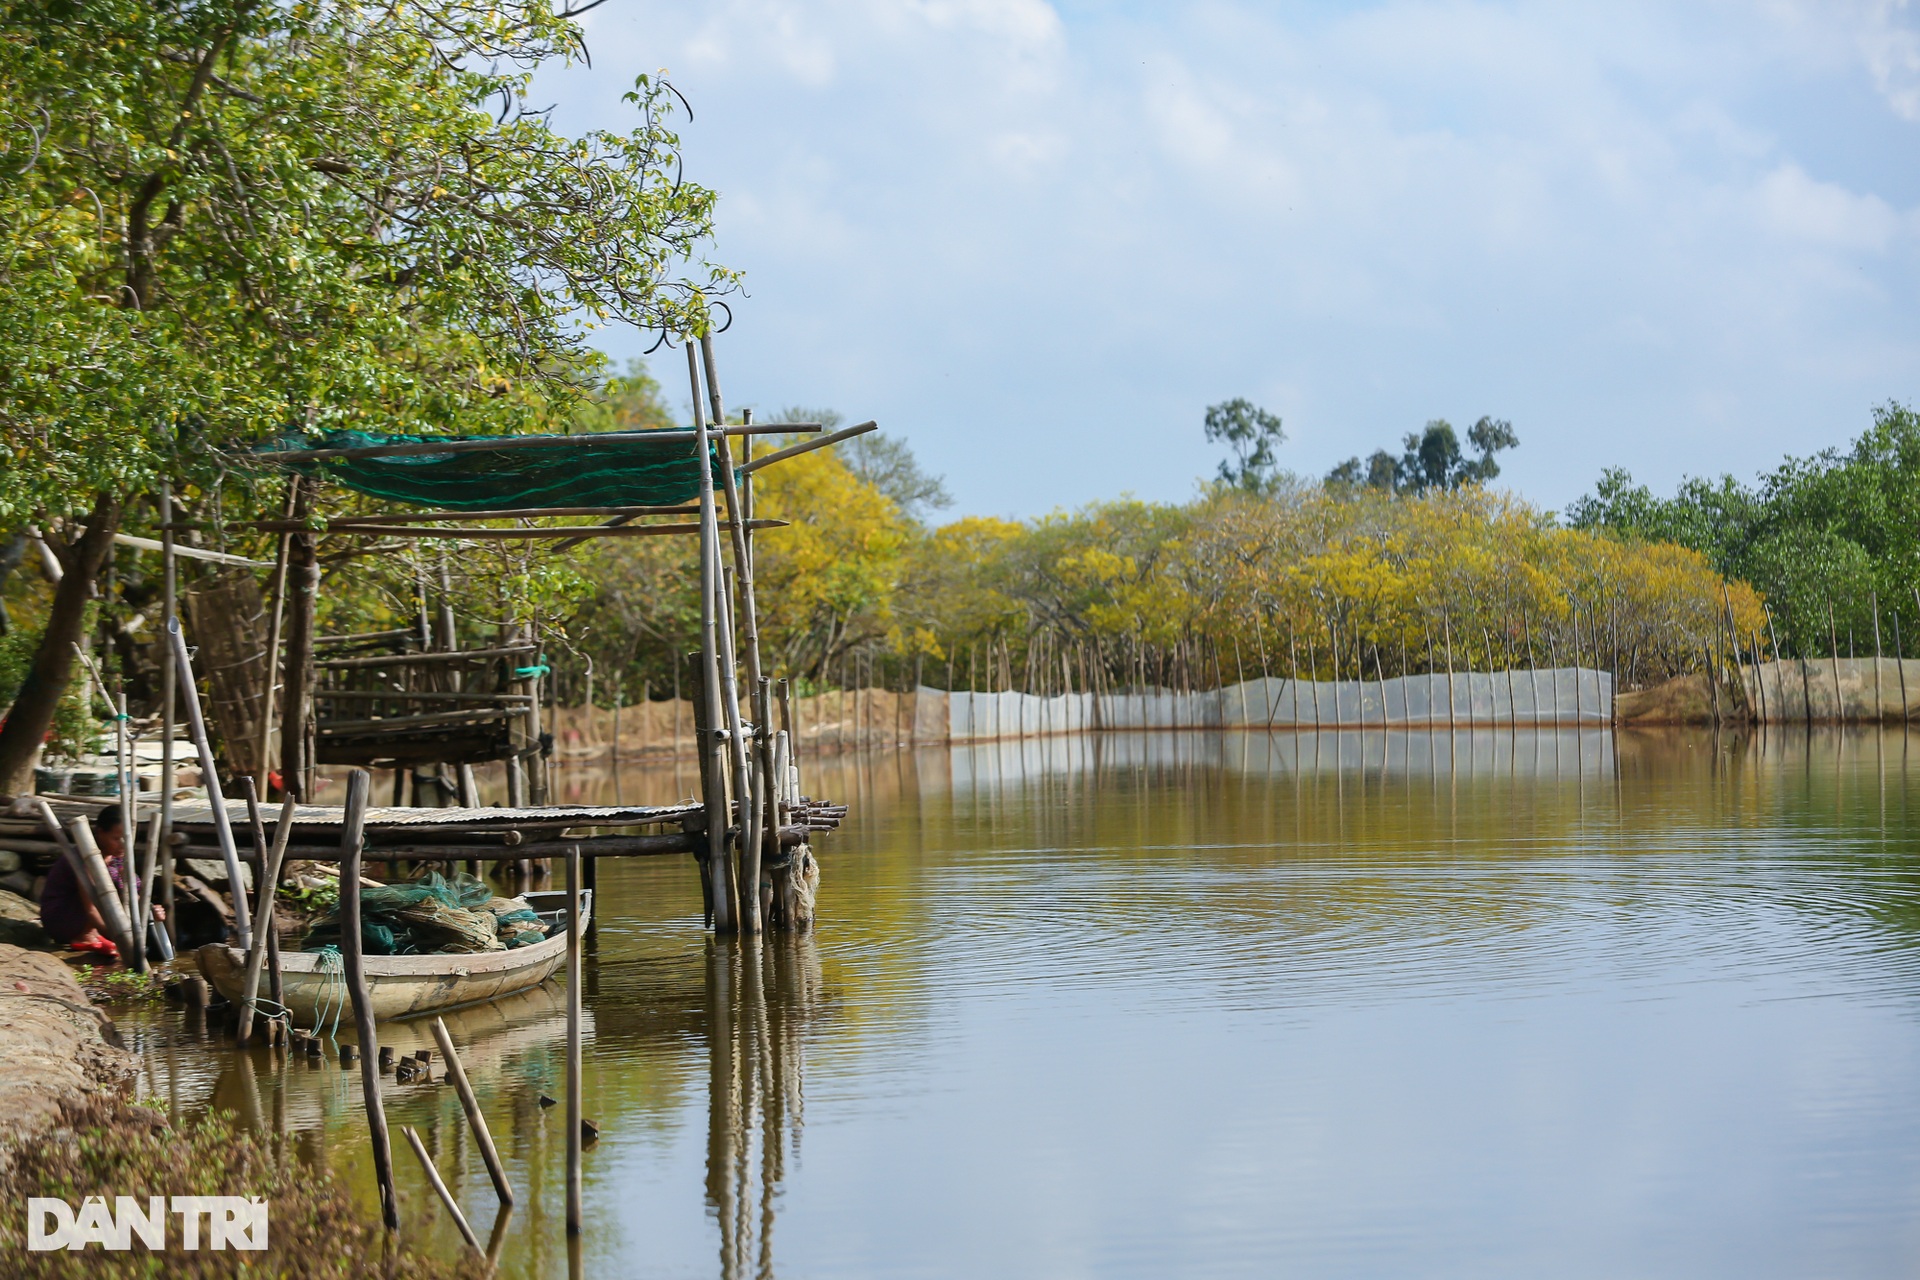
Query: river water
{"points": [[1485, 1005]]}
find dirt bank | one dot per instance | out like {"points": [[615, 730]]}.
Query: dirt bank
{"points": [[59, 1049]]}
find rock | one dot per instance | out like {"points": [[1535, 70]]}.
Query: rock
{"points": [[25, 933], [57, 1046], [15, 907]]}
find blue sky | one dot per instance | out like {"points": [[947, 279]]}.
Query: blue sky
{"points": [[1038, 240]]}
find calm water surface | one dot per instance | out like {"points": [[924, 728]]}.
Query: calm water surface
{"points": [[1488, 1005]]}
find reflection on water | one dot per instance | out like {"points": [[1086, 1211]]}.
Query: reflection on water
{"points": [[1487, 1004]]}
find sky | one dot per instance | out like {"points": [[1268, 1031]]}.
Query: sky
{"points": [[1038, 240]]}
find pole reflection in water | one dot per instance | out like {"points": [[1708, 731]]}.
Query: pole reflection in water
{"points": [[761, 993]]}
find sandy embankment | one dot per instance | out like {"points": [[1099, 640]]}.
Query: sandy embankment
{"points": [[57, 1046]]}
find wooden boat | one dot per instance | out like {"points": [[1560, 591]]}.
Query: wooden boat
{"points": [[406, 986]]}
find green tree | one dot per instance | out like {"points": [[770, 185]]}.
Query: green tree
{"points": [[230, 219], [1432, 460], [1831, 532], [1254, 436]]}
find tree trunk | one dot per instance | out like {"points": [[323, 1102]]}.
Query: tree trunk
{"points": [[32, 713]]}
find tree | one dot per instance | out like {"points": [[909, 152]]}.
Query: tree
{"points": [[1835, 529], [1253, 435], [885, 462], [230, 219], [1432, 459]]}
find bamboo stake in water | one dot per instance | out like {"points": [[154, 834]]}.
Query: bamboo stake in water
{"points": [[457, 1073], [269, 873], [574, 1103], [352, 847], [440, 1189], [223, 828]]}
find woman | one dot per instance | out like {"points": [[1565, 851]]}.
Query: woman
{"points": [[66, 912]]}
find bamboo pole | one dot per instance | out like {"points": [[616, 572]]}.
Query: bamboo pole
{"points": [[747, 616], [440, 1189], [222, 825], [709, 743], [1879, 702], [169, 702], [272, 667], [98, 882], [352, 846], [483, 1138], [297, 681], [263, 917], [1833, 654], [149, 867], [1900, 665], [574, 1103]]}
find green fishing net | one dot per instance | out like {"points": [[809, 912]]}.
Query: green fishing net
{"points": [[585, 473], [432, 916]]}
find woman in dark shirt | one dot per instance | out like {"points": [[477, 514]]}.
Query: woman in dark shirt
{"points": [[66, 912]]}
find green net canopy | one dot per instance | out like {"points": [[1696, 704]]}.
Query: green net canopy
{"points": [[584, 472]]}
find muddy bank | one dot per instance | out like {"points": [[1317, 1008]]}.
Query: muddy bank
{"points": [[58, 1048]]}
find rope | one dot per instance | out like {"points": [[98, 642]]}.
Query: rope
{"points": [[333, 994]]}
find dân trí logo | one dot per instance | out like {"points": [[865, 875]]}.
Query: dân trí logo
{"points": [[230, 1222]]}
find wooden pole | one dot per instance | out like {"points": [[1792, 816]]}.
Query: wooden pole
{"points": [[98, 882], [222, 826], [1879, 703], [271, 667], [719, 864], [296, 684], [352, 846], [269, 873], [457, 1073], [574, 1101], [1833, 654], [703, 760], [440, 1189], [169, 703], [1900, 665]]}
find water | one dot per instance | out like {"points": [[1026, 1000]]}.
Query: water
{"points": [[1490, 1005]]}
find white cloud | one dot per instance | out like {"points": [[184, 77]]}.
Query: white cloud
{"points": [[1042, 244]]}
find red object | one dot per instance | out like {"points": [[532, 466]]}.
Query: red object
{"points": [[96, 943]]}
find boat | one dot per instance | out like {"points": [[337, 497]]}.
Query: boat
{"points": [[400, 987]]}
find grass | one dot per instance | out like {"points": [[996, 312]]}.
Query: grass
{"points": [[108, 1147], [105, 985]]}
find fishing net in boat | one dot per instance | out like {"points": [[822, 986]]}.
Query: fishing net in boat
{"points": [[518, 925], [433, 916]]}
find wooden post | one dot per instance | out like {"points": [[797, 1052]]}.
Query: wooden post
{"points": [[747, 617], [169, 704], [1879, 703], [150, 865], [268, 871], [271, 666], [574, 1101], [457, 1073], [222, 826], [719, 864], [296, 684], [440, 1189], [352, 847], [1833, 654], [1900, 665], [712, 892]]}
